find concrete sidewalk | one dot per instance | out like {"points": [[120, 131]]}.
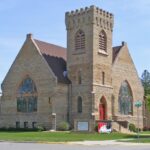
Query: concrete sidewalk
{"points": [[86, 143], [108, 142]]}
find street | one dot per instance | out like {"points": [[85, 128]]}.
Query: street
{"points": [[40, 146]]}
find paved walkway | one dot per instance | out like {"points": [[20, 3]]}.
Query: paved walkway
{"points": [[109, 142], [88, 143]]}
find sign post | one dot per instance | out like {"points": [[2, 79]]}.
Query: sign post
{"points": [[138, 104]]}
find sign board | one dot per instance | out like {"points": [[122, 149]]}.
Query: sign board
{"points": [[104, 127], [83, 126]]}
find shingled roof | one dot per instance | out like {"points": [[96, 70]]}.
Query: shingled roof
{"points": [[55, 56]]}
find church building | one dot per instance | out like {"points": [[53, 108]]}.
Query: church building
{"points": [[87, 82]]}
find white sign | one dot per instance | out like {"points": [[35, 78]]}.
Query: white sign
{"points": [[83, 126]]}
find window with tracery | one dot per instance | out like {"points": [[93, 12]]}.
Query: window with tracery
{"points": [[80, 40], [102, 41], [27, 96], [79, 105], [125, 99]]}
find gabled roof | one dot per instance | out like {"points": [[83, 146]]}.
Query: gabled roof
{"points": [[55, 56], [116, 50], [51, 49]]}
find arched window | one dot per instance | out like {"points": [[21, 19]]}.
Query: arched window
{"points": [[103, 41], [80, 40], [79, 105], [79, 77], [27, 96], [125, 99]]}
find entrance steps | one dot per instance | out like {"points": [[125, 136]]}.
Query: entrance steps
{"points": [[120, 128]]}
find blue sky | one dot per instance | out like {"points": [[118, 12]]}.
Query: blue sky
{"points": [[45, 19]]}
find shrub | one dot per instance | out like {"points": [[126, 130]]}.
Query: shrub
{"points": [[132, 127], [136, 130], [40, 128], [16, 129], [63, 126], [21, 129], [145, 129], [96, 128]]}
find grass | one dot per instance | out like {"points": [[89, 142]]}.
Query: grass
{"points": [[144, 137], [140, 140], [59, 136], [145, 132]]}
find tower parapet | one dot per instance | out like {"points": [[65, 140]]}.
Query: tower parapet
{"points": [[89, 15]]}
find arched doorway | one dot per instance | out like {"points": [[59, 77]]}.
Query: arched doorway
{"points": [[102, 109]]}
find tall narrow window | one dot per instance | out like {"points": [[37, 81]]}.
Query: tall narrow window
{"points": [[17, 124], [80, 40], [125, 99], [34, 125], [103, 78], [79, 105], [102, 41], [25, 124], [79, 77], [27, 96]]}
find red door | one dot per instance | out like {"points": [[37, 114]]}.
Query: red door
{"points": [[101, 111]]}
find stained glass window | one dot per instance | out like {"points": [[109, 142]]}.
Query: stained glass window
{"points": [[27, 96], [125, 99], [27, 86]]}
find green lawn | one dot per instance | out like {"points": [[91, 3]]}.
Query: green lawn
{"points": [[144, 137], [145, 132], [140, 140], [59, 136]]}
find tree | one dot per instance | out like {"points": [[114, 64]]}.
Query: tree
{"points": [[148, 102], [146, 82]]}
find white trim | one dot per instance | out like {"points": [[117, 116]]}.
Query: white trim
{"points": [[102, 52]]}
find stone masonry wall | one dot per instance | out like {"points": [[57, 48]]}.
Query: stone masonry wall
{"points": [[124, 70]]}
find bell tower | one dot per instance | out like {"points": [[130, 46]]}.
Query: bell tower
{"points": [[89, 56], [89, 41]]}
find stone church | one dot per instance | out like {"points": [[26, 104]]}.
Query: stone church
{"points": [[87, 82]]}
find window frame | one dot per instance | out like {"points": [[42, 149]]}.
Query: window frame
{"points": [[27, 99], [123, 103]]}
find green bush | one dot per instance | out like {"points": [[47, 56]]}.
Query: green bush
{"points": [[132, 127], [96, 128], [17, 129], [40, 128], [63, 126], [136, 130]]}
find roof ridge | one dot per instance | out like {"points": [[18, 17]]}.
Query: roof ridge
{"points": [[48, 43]]}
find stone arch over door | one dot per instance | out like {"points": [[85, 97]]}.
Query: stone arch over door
{"points": [[102, 109]]}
